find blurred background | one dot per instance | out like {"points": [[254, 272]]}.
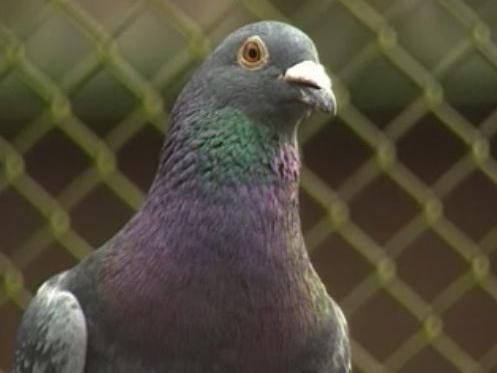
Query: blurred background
{"points": [[399, 192]]}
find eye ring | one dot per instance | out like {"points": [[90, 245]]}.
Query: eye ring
{"points": [[253, 53]]}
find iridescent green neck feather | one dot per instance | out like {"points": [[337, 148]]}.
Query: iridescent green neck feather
{"points": [[226, 148]]}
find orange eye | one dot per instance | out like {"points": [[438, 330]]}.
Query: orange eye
{"points": [[253, 53]]}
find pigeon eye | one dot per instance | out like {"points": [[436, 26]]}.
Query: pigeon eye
{"points": [[253, 53]]}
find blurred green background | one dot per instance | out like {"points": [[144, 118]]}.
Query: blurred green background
{"points": [[399, 192]]}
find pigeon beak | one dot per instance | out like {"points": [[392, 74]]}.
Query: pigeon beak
{"points": [[315, 85]]}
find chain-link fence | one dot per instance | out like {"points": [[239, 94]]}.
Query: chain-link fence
{"points": [[399, 193]]}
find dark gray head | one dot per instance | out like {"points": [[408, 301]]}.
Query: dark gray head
{"points": [[270, 71]]}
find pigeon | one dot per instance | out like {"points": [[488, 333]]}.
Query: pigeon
{"points": [[211, 275]]}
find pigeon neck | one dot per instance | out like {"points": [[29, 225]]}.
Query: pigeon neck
{"points": [[225, 151], [222, 213], [222, 189]]}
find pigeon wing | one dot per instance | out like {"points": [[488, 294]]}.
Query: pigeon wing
{"points": [[53, 332]]}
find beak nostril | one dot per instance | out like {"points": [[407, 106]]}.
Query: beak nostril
{"points": [[309, 73]]}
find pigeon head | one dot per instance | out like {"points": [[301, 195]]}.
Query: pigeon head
{"points": [[236, 118], [270, 71]]}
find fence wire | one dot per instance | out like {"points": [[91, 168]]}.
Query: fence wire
{"points": [[399, 193]]}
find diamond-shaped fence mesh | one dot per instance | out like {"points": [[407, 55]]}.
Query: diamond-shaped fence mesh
{"points": [[399, 193]]}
